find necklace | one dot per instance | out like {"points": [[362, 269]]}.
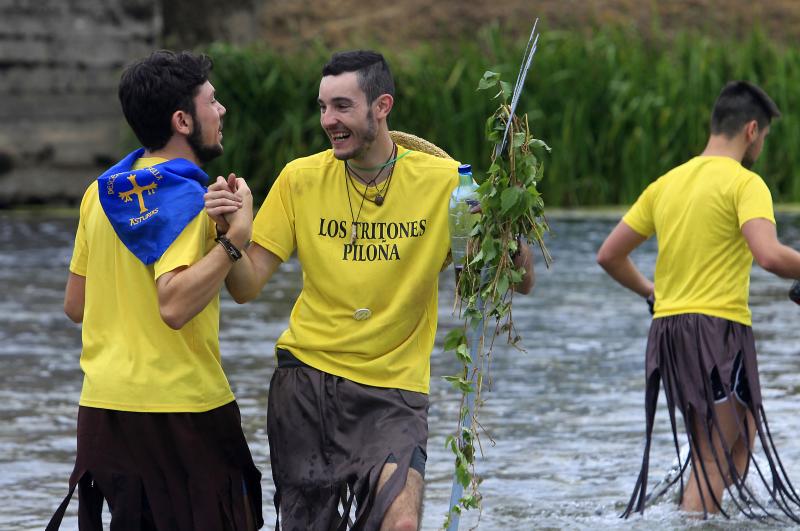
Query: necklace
{"points": [[380, 193], [394, 158], [350, 204]]}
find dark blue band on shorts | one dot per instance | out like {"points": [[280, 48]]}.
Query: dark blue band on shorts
{"points": [[287, 360], [418, 460]]}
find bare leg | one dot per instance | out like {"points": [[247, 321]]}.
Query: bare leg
{"points": [[405, 511], [731, 416]]}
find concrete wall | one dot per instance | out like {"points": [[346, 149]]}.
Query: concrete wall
{"points": [[60, 61]]}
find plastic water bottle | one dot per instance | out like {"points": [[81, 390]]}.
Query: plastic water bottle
{"points": [[461, 220]]}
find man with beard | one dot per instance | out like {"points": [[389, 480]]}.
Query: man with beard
{"points": [[159, 431], [347, 414], [711, 216]]}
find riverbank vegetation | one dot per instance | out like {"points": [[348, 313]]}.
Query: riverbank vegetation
{"points": [[618, 108]]}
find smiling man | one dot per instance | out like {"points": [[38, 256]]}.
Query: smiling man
{"points": [[348, 402], [159, 432]]}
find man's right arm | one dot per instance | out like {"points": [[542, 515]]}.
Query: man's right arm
{"points": [[248, 276], [613, 256], [777, 258]]}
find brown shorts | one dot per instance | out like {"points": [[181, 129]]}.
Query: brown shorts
{"points": [[177, 471], [329, 438], [702, 362]]}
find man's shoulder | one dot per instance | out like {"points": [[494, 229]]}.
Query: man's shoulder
{"points": [[420, 159], [429, 169], [90, 195], [323, 159]]}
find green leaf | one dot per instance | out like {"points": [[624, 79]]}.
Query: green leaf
{"points": [[502, 285], [454, 338], [488, 80], [506, 89], [463, 476], [488, 249], [463, 354], [535, 142], [460, 384], [509, 198]]}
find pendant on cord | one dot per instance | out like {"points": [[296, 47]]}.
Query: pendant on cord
{"points": [[353, 233], [378, 199], [362, 314]]}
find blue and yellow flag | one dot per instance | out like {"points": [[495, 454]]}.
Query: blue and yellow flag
{"points": [[149, 208]]}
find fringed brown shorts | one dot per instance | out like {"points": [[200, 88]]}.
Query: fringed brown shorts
{"points": [[701, 360], [329, 438], [165, 471]]}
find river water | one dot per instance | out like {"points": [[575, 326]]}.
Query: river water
{"points": [[566, 417]]}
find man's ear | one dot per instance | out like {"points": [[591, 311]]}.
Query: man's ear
{"points": [[182, 123], [383, 105], [751, 130]]}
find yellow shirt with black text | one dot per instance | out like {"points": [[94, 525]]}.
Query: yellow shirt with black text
{"points": [[132, 361], [390, 271], [697, 211]]}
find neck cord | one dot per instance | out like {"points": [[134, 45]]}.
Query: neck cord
{"points": [[380, 193], [394, 158], [350, 204]]}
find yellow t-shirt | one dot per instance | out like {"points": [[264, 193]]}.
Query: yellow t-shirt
{"points": [[132, 361], [392, 270], [697, 211]]}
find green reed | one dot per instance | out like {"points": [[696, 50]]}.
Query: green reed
{"points": [[618, 108]]}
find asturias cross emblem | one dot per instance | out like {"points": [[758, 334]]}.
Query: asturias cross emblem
{"points": [[139, 191]]}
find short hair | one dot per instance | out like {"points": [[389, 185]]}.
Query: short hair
{"points": [[374, 76], [153, 88], [738, 103]]}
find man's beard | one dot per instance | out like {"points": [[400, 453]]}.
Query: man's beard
{"points": [[203, 152], [367, 138], [748, 159]]}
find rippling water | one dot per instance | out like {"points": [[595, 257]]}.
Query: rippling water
{"points": [[566, 417]]}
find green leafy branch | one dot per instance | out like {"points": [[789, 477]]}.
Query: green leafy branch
{"points": [[513, 212]]}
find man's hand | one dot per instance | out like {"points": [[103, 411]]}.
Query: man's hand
{"points": [[221, 200], [240, 221], [651, 303]]}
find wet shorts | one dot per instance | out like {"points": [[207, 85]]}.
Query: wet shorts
{"points": [[177, 471], [330, 438]]}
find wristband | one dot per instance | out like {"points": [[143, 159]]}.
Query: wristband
{"points": [[233, 253]]}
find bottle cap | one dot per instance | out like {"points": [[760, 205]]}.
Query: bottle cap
{"points": [[465, 168]]}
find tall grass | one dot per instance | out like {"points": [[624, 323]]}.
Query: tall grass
{"points": [[617, 108]]}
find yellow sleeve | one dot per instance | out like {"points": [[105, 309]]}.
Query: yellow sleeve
{"points": [[640, 215], [189, 247], [753, 200], [273, 226], [80, 253]]}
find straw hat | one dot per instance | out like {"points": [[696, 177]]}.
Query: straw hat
{"points": [[416, 143]]}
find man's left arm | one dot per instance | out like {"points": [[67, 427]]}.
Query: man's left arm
{"points": [[614, 257]]}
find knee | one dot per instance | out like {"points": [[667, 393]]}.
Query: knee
{"points": [[405, 523]]}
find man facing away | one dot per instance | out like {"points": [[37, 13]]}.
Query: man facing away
{"points": [[159, 432], [347, 414], [711, 216]]}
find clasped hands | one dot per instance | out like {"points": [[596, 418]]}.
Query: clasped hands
{"points": [[229, 203]]}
